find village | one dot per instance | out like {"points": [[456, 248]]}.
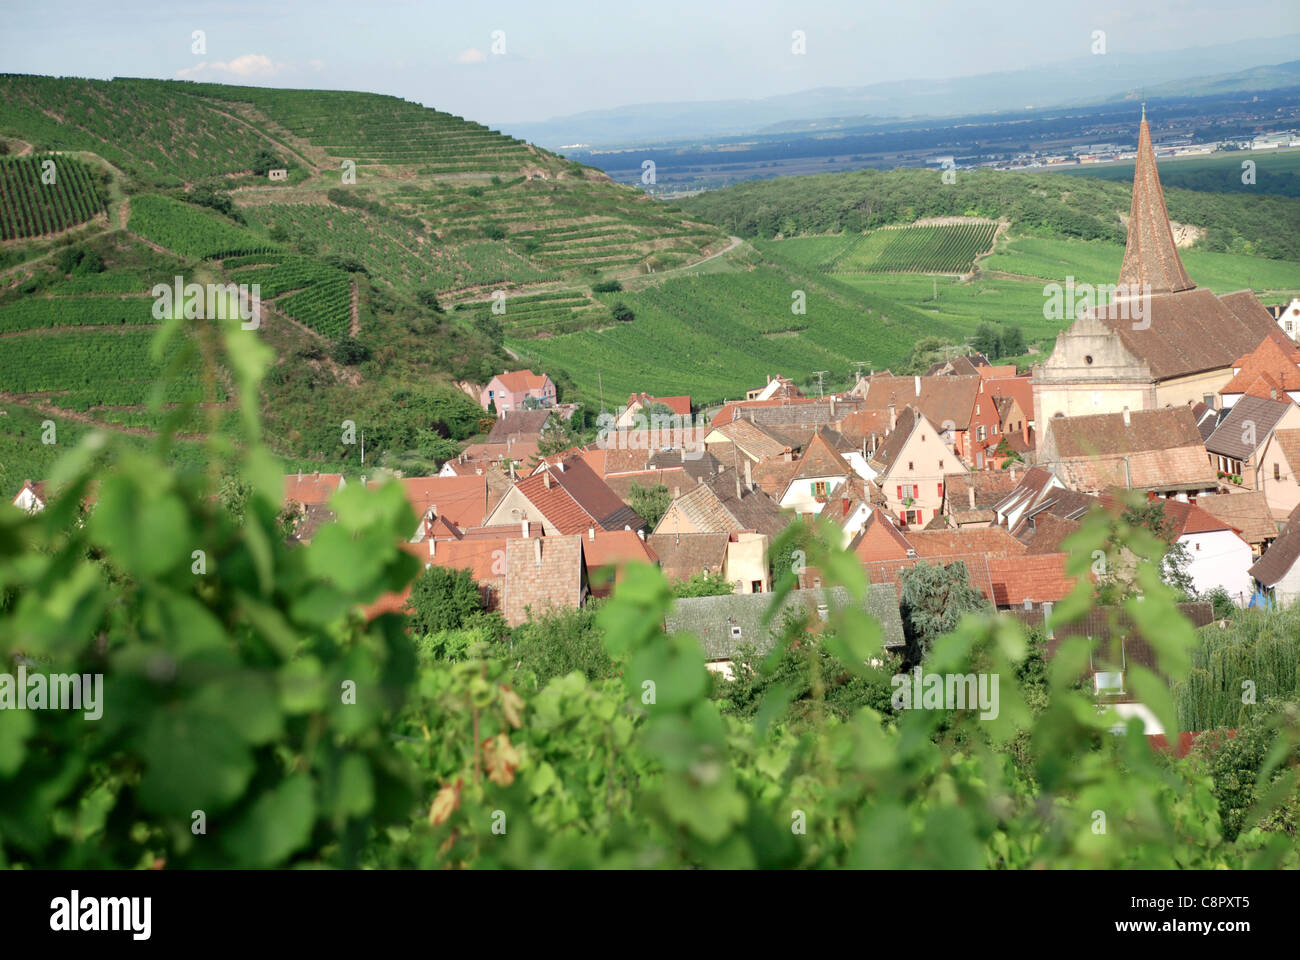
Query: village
{"points": [[1193, 407]]}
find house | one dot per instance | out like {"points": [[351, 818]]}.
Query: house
{"points": [[970, 365], [627, 416], [32, 497], [776, 388], [462, 501], [1236, 444], [1157, 450], [724, 624], [567, 498], [543, 574], [308, 522], [1278, 571], [1288, 317], [1033, 489], [279, 173], [969, 497], [1279, 471], [1270, 371], [683, 555], [910, 466], [520, 424], [820, 474], [517, 389], [608, 552], [312, 487], [1219, 556], [745, 439], [949, 402], [1176, 345], [723, 505], [1246, 512]]}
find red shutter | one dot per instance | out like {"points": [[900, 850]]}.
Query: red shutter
{"points": [[900, 491], [902, 517], [916, 491], [941, 491]]}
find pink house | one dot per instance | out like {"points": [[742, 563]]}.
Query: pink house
{"points": [[511, 389]]}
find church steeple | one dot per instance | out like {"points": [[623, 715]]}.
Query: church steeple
{"points": [[1150, 256]]}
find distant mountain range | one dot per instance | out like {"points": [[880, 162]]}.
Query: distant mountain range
{"points": [[1259, 64]]}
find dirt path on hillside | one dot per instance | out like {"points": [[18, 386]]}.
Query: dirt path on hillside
{"points": [[354, 313]]}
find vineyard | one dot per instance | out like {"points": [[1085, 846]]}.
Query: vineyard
{"points": [[940, 248], [562, 311], [375, 129], [714, 336], [319, 297], [31, 208], [36, 313], [81, 370], [157, 130], [189, 231]]}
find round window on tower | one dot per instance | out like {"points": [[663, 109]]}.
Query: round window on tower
{"points": [[1088, 358]]}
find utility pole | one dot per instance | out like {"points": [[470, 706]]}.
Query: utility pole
{"points": [[820, 374], [860, 364], [363, 448], [600, 380]]}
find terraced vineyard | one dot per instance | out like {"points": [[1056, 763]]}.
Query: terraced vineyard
{"points": [[938, 248], [375, 129], [30, 207], [134, 124], [546, 314], [189, 231], [319, 297]]}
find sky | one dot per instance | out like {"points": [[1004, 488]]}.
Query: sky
{"points": [[513, 62]]}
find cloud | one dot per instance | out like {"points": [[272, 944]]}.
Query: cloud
{"points": [[472, 55], [316, 65], [243, 67]]}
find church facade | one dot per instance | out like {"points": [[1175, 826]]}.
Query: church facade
{"points": [[1163, 342]]}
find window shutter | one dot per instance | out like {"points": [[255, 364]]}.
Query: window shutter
{"points": [[902, 517], [900, 491], [941, 491], [916, 491]]}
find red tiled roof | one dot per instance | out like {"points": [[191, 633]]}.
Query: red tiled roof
{"points": [[989, 541], [1279, 363], [311, 487], [1021, 389], [462, 500], [1040, 578], [519, 380]]}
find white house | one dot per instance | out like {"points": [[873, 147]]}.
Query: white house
{"points": [[1219, 556], [31, 497], [1288, 317], [821, 475], [1278, 570]]}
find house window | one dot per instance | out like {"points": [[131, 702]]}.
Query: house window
{"points": [[913, 516], [940, 491], [735, 632], [909, 465], [1277, 471], [756, 586], [940, 464], [980, 433]]}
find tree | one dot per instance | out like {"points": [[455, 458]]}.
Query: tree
{"points": [[265, 160], [987, 340], [650, 503], [934, 598], [1241, 774], [428, 298], [621, 311], [1013, 342], [558, 433], [441, 599], [350, 352], [926, 352], [1150, 515], [703, 584]]}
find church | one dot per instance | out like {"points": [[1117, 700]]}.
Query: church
{"points": [[1173, 347]]}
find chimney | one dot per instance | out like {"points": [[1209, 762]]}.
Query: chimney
{"points": [[893, 417], [300, 474], [432, 546], [1047, 620], [1013, 474], [832, 406], [970, 495], [523, 527], [737, 472], [677, 492], [537, 551], [641, 533], [512, 471], [546, 478], [749, 475], [1127, 421], [591, 533], [918, 385], [788, 455]]}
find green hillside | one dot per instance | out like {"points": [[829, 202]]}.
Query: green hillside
{"points": [[407, 252]]}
